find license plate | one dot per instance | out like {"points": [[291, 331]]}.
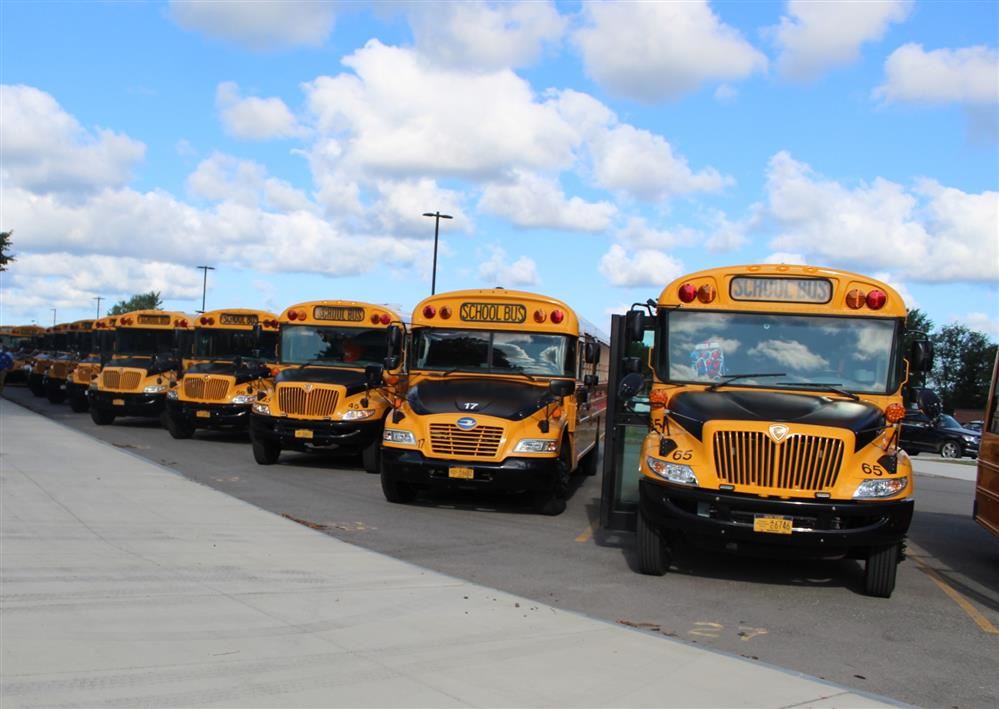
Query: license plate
{"points": [[461, 473], [303, 433], [772, 525], [203, 414], [117, 402]]}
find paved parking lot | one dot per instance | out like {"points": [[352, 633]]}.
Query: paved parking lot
{"points": [[934, 643]]}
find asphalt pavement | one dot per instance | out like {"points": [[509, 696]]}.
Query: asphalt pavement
{"points": [[126, 584]]}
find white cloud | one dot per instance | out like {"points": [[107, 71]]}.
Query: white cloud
{"points": [[969, 75], [645, 267], [823, 34], [225, 178], [533, 201], [927, 233], [400, 206], [499, 272], [45, 149], [637, 234], [484, 36], [785, 257], [651, 51], [258, 24], [725, 93], [980, 322], [254, 118]]}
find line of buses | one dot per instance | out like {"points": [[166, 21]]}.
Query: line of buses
{"points": [[748, 408]]}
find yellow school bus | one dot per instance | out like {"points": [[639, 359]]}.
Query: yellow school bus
{"points": [[79, 344], [775, 403], [54, 344], [145, 360], [21, 341], [505, 392], [986, 507], [329, 394], [101, 344], [229, 362]]}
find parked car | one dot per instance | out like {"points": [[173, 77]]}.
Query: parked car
{"points": [[974, 425], [943, 435]]}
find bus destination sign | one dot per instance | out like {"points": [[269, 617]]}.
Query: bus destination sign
{"points": [[493, 312], [154, 319], [337, 312], [237, 319], [785, 290]]}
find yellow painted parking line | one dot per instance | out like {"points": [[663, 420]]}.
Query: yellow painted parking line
{"points": [[980, 620], [586, 535]]}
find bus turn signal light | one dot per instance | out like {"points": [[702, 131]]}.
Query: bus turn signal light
{"points": [[557, 316], [293, 315], [445, 313], [374, 318], [855, 299], [706, 293], [894, 413], [658, 398], [876, 299], [540, 315], [687, 293], [429, 311]]}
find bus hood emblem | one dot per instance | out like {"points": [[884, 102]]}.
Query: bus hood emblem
{"points": [[778, 432], [466, 423]]}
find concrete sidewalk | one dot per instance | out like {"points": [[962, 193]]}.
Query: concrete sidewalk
{"points": [[935, 466], [125, 584]]}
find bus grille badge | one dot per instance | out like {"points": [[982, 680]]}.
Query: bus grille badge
{"points": [[778, 432], [466, 423]]}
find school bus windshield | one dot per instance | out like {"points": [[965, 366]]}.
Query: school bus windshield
{"points": [[350, 346], [226, 344], [855, 354], [142, 342], [497, 352]]}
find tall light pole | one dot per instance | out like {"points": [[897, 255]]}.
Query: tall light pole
{"points": [[53, 316], [437, 224], [204, 285], [98, 299]]}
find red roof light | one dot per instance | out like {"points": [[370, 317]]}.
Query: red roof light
{"points": [[429, 311], [557, 316], [876, 299], [687, 293]]}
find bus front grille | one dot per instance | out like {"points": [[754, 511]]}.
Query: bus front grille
{"points": [[295, 400], [59, 370], [800, 462], [482, 441], [206, 388], [124, 381]]}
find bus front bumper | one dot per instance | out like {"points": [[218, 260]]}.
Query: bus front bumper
{"points": [[125, 404], [209, 415], [305, 434], [828, 528], [512, 474]]}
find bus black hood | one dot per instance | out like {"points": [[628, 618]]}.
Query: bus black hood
{"points": [[351, 380], [692, 409], [244, 373], [506, 399]]}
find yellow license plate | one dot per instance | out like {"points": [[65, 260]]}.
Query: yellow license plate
{"points": [[772, 525], [461, 473], [203, 414], [303, 433], [117, 402]]}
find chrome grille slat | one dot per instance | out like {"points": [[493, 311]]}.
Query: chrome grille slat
{"points": [[206, 388], [800, 462], [480, 442], [294, 400]]}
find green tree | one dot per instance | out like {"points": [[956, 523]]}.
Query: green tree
{"points": [[5, 255], [140, 301], [962, 368], [917, 326]]}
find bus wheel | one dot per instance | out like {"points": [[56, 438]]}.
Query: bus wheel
{"points": [[79, 404], [396, 490], [102, 417], [879, 572], [653, 552], [370, 457], [266, 452], [54, 393], [551, 502], [178, 429]]}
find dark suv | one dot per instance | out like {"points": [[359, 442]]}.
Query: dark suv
{"points": [[943, 435]]}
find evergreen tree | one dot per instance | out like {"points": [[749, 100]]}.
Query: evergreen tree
{"points": [[140, 301]]}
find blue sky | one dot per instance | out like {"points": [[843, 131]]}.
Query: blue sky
{"points": [[589, 151]]}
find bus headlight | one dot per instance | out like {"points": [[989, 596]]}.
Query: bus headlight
{"points": [[357, 414], [394, 435], [154, 389], [262, 409], [885, 487], [536, 445], [243, 399], [674, 472], [172, 394]]}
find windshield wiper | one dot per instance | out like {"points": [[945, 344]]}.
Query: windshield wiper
{"points": [[826, 386], [729, 379]]}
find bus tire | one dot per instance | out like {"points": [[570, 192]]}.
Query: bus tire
{"points": [[371, 456], [54, 393], [551, 502], [178, 429], [102, 417], [880, 570], [36, 387], [79, 404], [266, 452], [653, 553], [396, 490]]}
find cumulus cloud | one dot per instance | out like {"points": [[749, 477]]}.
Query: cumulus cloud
{"points": [[499, 271], [484, 36], [928, 232], [259, 25], [980, 322], [533, 201], [223, 178], [650, 51], [965, 76], [45, 149], [254, 118], [644, 267], [400, 206], [818, 35]]}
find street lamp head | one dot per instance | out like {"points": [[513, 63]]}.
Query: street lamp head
{"points": [[438, 215]]}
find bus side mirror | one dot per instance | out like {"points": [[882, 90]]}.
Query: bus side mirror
{"points": [[394, 335], [634, 325], [929, 403], [373, 375], [630, 385], [591, 380], [391, 362], [631, 365], [921, 355], [258, 332], [561, 387], [591, 352]]}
